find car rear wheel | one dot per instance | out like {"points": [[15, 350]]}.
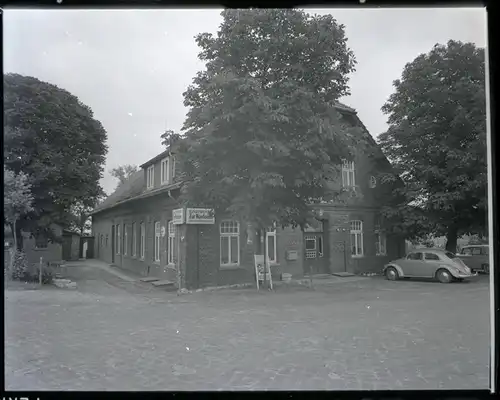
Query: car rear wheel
{"points": [[486, 268], [391, 274], [444, 276]]}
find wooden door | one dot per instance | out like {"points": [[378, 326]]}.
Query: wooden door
{"points": [[314, 247]]}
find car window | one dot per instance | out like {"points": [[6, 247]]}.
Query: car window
{"points": [[431, 256], [467, 251], [414, 256], [476, 251], [486, 251], [450, 255]]}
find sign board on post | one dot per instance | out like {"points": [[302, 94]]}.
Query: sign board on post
{"points": [[200, 216], [178, 216], [259, 271]]}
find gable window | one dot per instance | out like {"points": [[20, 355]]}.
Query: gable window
{"points": [[171, 242], [134, 239], [357, 238], [157, 241], [229, 243], [348, 174], [143, 241], [150, 178], [380, 244], [165, 173], [125, 239], [118, 239], [271, 245]]}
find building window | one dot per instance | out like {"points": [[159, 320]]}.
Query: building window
{"points": [[125, 240], [157, 241], [173, 166], [101, 240], [271, 245], [150, 177], [320, 246], [134, 239], [107, 240], [311, 246], [348, 174], [380, 244], [229, 243], [165, 176], [143, 241], [357, 238], [171, 242]]}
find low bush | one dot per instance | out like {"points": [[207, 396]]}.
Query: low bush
{"points": [[20, 267]]}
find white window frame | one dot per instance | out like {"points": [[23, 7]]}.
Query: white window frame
{"points": [[143, 240], [171, 243], [165, 171], [229, 228], [125, 239], [118, 238], [271, 232], [348, 174], [134, 239], [380, 244], [150, 177], [173, 167], [157, 227], [357, 230]]}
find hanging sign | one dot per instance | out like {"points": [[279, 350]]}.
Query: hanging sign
{"points": [[200, 216], [163, 231], [178, 216]]}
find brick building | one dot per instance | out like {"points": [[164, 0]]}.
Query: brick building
{"points": [[133, 229]]}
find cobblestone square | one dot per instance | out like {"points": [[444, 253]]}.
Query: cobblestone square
{"points": [[110, 334]]}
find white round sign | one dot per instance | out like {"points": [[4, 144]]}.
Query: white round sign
{"points": [[162, 231]]}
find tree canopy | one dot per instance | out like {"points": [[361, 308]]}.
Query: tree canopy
{"points": [[437, 142], [123, 172], [52, 137], [263, 138]]}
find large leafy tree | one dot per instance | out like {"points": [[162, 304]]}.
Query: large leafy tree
{"points": [[123, 172], [262, 137], [437, 142], [52, 137], [17, 198]]}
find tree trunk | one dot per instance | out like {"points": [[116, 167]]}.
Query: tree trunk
{"points": [[18, 237], [451, 239]]}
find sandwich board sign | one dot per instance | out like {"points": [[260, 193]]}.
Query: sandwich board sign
{"points": [[259, 271]]}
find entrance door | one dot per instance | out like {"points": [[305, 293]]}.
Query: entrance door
{"points": [[315, 261]]}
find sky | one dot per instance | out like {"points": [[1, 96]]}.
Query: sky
{"points": [[132, 66]]}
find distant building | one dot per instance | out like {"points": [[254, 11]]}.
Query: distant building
{"points": [[134, 229]]}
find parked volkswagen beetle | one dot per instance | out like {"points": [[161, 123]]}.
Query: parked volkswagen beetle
{"points": [[428, 263]]}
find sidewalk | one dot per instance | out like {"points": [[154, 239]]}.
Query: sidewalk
{"points": [[126, 276]]}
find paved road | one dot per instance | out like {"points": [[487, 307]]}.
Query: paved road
{"points": [[370, 334]]}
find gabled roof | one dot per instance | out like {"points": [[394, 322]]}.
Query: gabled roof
{"points": [[133, 188]]}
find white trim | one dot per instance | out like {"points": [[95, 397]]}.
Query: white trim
{"points": [[143, 240], [165, 171], [118, 238], [134, 239], [156, 250], [229, 229], [171, 243], [125, 239], [357, 231], [272, 233], [380, 244], [348, 174], [150, 177]]}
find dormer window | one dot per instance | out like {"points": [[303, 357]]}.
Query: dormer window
{"points": [[348, 174], [165, 171], [150, 177]]}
